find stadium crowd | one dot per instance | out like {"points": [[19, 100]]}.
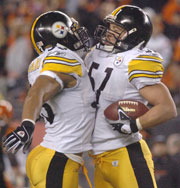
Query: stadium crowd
{"points": [[16, 52]]}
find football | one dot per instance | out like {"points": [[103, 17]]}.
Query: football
{"points": [[132, 108]]}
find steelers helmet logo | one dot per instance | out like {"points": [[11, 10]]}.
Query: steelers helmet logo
{"points": [[59, 29]]}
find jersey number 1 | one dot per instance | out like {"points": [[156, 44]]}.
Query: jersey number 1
{"points": [[108, 72]]}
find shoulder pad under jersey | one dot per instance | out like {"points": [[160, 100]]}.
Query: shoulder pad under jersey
{"points": [[145, 69], [62, 60]]}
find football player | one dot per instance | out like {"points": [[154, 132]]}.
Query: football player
{"points": [[61, 93], [120, 67]]}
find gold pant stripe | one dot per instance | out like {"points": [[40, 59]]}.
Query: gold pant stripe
{"points": [[149, 161], [84, 170], [49, 169]]}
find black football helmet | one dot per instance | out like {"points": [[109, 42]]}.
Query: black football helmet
{"points": [[133, 21], [55, 27]]}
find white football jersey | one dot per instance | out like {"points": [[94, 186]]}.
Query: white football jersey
{"points": [[69, 117], [115, 77]]}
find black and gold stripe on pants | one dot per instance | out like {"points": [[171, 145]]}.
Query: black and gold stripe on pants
{"points": [[47, 168], [140, 166], [127, 167]]}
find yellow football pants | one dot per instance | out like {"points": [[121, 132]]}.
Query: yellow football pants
{"points": [[47, 168], [128, 167]]}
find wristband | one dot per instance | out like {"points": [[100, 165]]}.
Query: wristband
{"points": [[139, 126], [28, 124], [54, 76], [29, 120]]}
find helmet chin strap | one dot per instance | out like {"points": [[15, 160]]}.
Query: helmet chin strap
{"points": [[114, 49], [60, 45], [108, 48], [125, 46]]}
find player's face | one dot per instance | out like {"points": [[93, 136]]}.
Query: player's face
{"points": [[115, 33]]}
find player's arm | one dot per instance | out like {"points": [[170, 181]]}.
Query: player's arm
{"points": [[163, 110], [145, 73], [163, 105], [44, 88]]}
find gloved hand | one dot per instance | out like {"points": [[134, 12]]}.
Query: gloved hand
{"points": [[21, 137], [124, 124]]}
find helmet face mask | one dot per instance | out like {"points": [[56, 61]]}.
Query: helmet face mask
{"points": [[55, 27], [111, 36], [84, 40], [135, 29]]}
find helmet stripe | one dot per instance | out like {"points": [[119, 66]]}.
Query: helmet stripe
{"points": [[32, 36], [117, 10]]}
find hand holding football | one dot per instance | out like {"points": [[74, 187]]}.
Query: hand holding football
{"points": [[132, 108]]}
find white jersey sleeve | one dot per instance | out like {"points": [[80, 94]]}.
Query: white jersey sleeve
{"points": [[145, 69]]}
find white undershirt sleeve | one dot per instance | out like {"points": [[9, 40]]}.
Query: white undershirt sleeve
{"points": [[54, 76]]}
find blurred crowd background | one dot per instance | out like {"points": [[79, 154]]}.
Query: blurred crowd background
{"points": [[16, 52]]}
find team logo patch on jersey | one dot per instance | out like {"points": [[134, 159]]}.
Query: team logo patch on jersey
{"points": [[59, 29], [118, 61]]}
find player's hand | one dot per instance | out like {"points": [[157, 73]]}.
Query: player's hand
{"points": [[124, 124], [21, 137]]}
